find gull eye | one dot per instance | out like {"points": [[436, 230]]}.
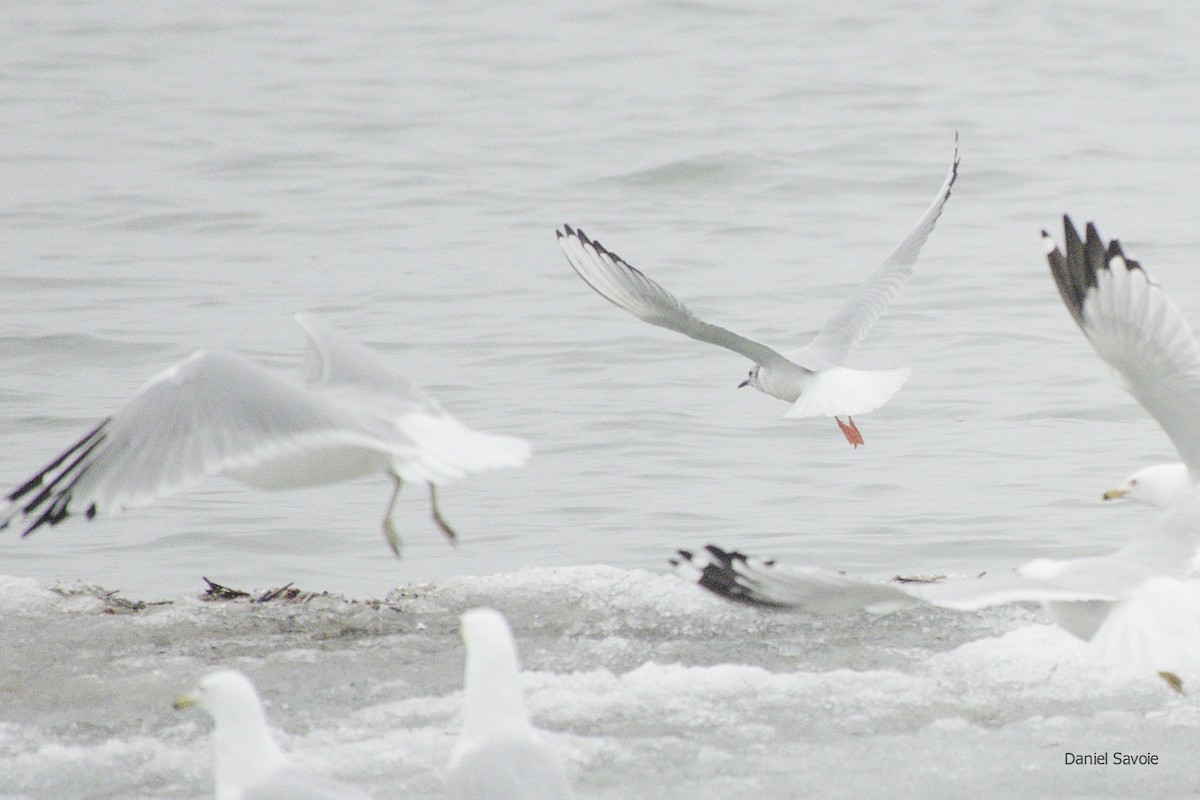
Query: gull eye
{"points": [[1133, 482]]}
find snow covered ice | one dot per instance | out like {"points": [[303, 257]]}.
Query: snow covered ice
{"points": [[645, 685]]}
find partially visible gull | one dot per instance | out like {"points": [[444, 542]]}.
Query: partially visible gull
{"points": [[1145, 340], [249, 764], [814, 379], [216, 413], [499, 756], [1136, 607]]}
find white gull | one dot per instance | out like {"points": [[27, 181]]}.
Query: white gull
{"points": [[814, 379], [216, 413]]}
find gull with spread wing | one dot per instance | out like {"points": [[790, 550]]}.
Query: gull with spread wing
{"points": [[1138, 606], [1145, 340], [814, 380], [216, 413]]}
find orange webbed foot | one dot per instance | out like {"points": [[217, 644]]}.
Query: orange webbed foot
{"points": [[850, 431]]}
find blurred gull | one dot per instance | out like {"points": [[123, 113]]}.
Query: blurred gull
{"points": [[1145, 340], [1139, 606], [216, 413], [249, 765], [813, 380], [499, 755], [1136, 607]]}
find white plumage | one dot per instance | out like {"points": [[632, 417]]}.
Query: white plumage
{"points": [[248, 763], [216, 413], [499, 755], [1148, 345], [814, 380]]}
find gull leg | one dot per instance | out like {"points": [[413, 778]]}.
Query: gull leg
{"points": [[438, 519], [389, 530], [850, 431]]}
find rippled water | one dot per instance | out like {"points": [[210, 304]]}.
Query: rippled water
{"points": [[179, 176]]}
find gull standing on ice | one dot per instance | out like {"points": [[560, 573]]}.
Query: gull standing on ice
{"points": [[248, 763], [499, 755], [1145, 339], [813, 380], [216, 413]]}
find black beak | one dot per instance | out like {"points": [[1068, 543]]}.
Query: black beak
{"points": [[744, 384]]}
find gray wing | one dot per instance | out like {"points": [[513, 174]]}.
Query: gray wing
{"points": [[428, 443], [510, 771], [334, 361], [862, 310], [759, 582], [627, 288], [1136, 329], [210, 413]]}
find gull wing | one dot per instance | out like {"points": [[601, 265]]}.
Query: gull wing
{"points": [[854, 320], [334, 361], [627, 288], [210, 413], [431, 445], [1136, 329], [745, 579]]}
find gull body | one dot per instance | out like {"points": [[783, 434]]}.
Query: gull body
{"points": [[499, 755], [248, 763], [814, 380], [216, 413], [1148, 345], [1138, 606]]}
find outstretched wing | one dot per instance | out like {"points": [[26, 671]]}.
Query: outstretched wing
{"points": [[854, 320], [429, 443], [627, 288], [210, 413], [1136, 329], [755, 581]]}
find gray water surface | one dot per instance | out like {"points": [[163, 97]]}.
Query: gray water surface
{"points": [[181, 176]]}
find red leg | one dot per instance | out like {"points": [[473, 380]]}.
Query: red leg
{"points": [[850, 431]]}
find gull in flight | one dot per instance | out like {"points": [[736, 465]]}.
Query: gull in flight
{"points": [[216, 413], [249, 764], [1138, 606], [499, 755], [1147, 343], [814, 379]]}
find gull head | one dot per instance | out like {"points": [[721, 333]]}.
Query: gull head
{"points": [[1160, 485], [751, 379], [245, 752], [218, 692]]}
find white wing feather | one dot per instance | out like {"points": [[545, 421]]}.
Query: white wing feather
{"points": [[862, 310], [628, 288], [1137, 331]]}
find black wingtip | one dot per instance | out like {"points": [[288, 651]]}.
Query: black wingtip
{"points": [[719, 575]]}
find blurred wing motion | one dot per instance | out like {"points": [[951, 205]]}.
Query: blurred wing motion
{"points": [[1137, 607], [216, 413], [862, 310]]}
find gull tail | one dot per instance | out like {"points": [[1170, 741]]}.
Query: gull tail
{"points": [[1156, 628], [838, 391], [445, 449]]}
